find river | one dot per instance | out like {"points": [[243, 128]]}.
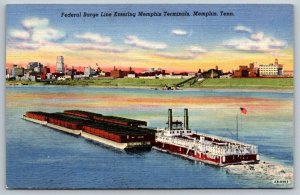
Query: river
{"points": [[39, 157]]}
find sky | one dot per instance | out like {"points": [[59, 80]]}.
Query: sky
{"points": [[254, 33]]}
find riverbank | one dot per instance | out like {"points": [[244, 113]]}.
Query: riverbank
{"points": [[236, 83], [248, 83]]}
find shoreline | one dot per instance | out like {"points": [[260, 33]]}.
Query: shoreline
{"points": [[232, 89], [235, 84]]}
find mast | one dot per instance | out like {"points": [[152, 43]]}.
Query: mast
{"points": [[237, 126]]}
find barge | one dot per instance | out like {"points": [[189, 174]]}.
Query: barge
{"points": [[111, 133], [108, 119], [178, 139]]}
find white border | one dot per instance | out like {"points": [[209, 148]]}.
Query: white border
{"points": [[296, 190]]}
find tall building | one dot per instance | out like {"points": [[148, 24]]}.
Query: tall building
{"points": [[60, 66]]}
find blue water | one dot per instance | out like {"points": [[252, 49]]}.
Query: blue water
{"points": [[39, 157]]}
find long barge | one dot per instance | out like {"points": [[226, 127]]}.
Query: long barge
{"points": [[178, 139], [109, 133]]}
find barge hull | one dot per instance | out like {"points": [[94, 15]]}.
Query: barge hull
{"points": [[66, 130], [192, 155], [56, 127], [122, 146], [189, 157], [35, 120], [107, 142]]}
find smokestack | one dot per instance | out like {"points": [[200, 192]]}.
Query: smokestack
{"points": [[170, 119], [186, 118]]}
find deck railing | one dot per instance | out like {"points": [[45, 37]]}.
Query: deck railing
{"points": [[204, 146]]}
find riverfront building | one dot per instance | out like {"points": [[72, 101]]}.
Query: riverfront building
{"points": [[271, 69], [17, 71], [246, 71], [35, 66], [212, 73], [88, 71]]}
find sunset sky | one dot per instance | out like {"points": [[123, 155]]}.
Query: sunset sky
{"points": [[256, 33]]}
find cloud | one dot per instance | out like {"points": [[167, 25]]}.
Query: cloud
{"points": [[144, 44], [259, 36], [36, 33], [193, 52], [94, 42], [47, 35], [30, 23], [187, 56], [257, 42], [25, 45], [196, 49], [19, 34], [241, 28], [89, 46], [94, 37], [179, 32]]}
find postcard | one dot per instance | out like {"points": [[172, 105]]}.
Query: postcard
{"points": [[152, 96]]}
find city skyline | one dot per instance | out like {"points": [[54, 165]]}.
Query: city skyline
{"points": [[58, 69], [180, 44]]}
